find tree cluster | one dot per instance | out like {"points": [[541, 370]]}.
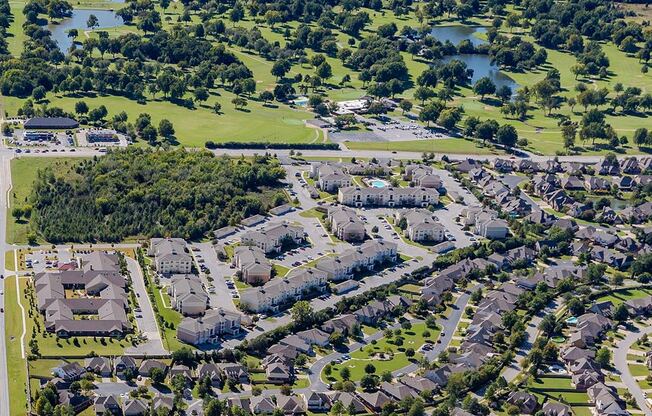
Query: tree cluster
{"points": [[136, 192]]}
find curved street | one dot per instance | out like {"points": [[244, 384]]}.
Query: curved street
{"points": [[620, 362]]}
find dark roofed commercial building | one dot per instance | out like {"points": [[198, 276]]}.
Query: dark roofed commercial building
{"points": [[45, 123]]}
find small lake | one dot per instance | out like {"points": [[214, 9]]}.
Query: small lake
{"points": [[106, 19], [456, 34], [480, 64]]}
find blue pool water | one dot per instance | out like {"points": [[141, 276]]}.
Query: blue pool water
{"points": [[377, 183]]}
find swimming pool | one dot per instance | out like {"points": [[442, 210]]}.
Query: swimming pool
{"points": [[378, 183], [572, 320]]}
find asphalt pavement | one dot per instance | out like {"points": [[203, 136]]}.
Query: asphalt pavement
{"points": [[146, 319], [620, 363]]}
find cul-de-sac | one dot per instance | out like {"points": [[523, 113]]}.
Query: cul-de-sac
{"points": [[341, 207]]}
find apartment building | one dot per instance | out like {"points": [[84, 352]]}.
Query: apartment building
{"points": [[209, 328], [388, 197], [187, 294], [364, 257], [345, 223], [270, 239], [170, 255], [253, 265], [420, 225], [281, 291], [329, 177]]}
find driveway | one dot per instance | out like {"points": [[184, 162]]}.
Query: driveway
{"points": [[620, 362], [147, 323]]}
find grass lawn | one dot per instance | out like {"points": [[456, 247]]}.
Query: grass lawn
{"points": [[438, 146], [638, 370], [195, 126], [23, 174], [557, 388], [312, 213], [171, 318], [369, 330], [10, 263], [413, 338], [411, 288], [17, 371], [624, 295], [280, 270]]}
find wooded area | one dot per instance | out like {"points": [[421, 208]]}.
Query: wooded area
{"points": [[138, 192]]}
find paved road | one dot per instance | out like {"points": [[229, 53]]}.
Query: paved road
{"points": [[531, 331], [448, 326], [333, 153], [147, 323], [620, 362]]}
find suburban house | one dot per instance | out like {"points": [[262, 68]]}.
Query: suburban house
{"points": [[209, 328], [187, 294], [105, 404], [135, 407], [420, 225], [99, 365], [272, 238], [147, 365], [364, 257], [345, 223], [170, 255], [526, 402], [278, 292], [388, 197], [253, 265]]}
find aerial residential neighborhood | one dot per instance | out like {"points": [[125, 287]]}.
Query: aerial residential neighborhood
{"points": [[289, 208], [481, 285]]}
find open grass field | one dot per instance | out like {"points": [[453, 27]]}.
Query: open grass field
{"points": [[16, 367], [23, 174], [459, 146], [194, 127]]}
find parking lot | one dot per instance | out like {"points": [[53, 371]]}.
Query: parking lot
{"points": [[61, 141], [42, 260], [388, 129]]}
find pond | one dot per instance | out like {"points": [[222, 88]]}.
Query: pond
{"points": [[480, 64], [106, 19], [616, 204]]}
